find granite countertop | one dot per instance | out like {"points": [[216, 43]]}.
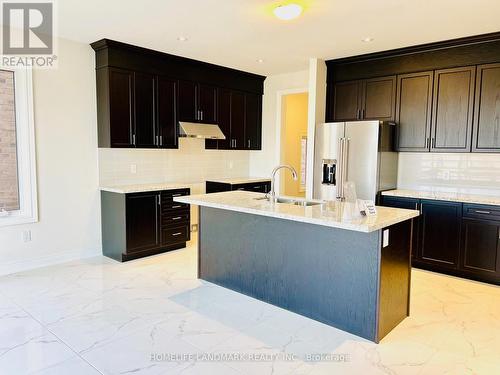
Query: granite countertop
{"points": [[243, 201], [139, 188], [444, 196], [241, 180]]}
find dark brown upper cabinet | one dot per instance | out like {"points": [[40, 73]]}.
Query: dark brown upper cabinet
{"points": [[486, 137], [237, 120], [453, 105], [167, 112], [370, 99], [347, 100], [143, 94], [116, 123], [239, 116], [378, 100], [207, 104], [188, 110], [224, 120], [197, 102], [253, 121], [146, 135], [414, 111]]}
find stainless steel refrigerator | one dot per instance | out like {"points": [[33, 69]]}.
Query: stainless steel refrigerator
{"points": [[359, 151]]}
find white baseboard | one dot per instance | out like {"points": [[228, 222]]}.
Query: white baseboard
{"points": [[48, 260]]}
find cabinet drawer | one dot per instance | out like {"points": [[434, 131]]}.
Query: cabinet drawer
{"points": [[169, 195], [260, 187], [174, 219], [175, 235], [174, 207], [481, 212]]}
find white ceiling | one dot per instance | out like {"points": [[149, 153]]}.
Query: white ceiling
{"points": [[237, 33]]}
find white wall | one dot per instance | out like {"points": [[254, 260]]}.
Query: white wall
{"points": [[317, 110], [66, 151], [456, 173], [262, 162]]}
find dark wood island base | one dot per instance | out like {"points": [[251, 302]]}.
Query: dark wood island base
{"points": [[355, 281]]}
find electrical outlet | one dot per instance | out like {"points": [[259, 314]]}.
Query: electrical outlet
{"points": [[385, 235], [133, 168], [194, 227], [26, 235]]}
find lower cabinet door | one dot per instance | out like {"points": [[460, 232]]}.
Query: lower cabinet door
{"points": [[440, 228], [481, 247], [142, 216]]}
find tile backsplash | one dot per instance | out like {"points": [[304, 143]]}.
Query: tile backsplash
{"points": [[191, 164], [456, 173]]}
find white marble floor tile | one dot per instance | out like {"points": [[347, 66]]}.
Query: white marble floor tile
{"points": [[133, 354], [95, 328], [98, 316], [34, 354], [73, 366]]}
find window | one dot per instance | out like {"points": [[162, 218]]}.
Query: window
{"points": [[17, 157]]}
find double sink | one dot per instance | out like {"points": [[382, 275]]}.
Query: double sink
{"points": [[292, 201]]}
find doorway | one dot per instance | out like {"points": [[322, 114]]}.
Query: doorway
{"points": [[293, 142]]}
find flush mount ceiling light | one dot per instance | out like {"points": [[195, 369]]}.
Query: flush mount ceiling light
{"points": [[367, 39], [260, 61], [287, 11], [182, 38]]}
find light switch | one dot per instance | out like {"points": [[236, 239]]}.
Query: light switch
{"points": [[385, 239]]}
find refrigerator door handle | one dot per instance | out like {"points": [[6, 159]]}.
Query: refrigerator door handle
{"points": [[346, 158], [343, 148], [340, 168]]}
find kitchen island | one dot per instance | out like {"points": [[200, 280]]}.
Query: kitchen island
{"points": [[353, 274]]}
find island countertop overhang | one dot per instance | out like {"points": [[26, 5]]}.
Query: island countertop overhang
{"points": [[246, 202]]}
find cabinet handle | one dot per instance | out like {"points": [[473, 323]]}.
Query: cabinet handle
{"points": [[157, 141], [482, 212], [201, 115], [176, 195], [363, 114], [176, 206], [133, 139], [427, 142], [433, 142], [248, 143], [158, 199], [176, 234], [161, 140], [177, 218]]}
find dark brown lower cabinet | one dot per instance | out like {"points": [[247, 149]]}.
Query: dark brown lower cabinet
{"points": [[460, 239], [481, 247], [218, 187], [143, 230], [440, 240], [141, 224]]}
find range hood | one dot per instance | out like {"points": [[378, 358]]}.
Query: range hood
{"points": [[198, 130]]}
